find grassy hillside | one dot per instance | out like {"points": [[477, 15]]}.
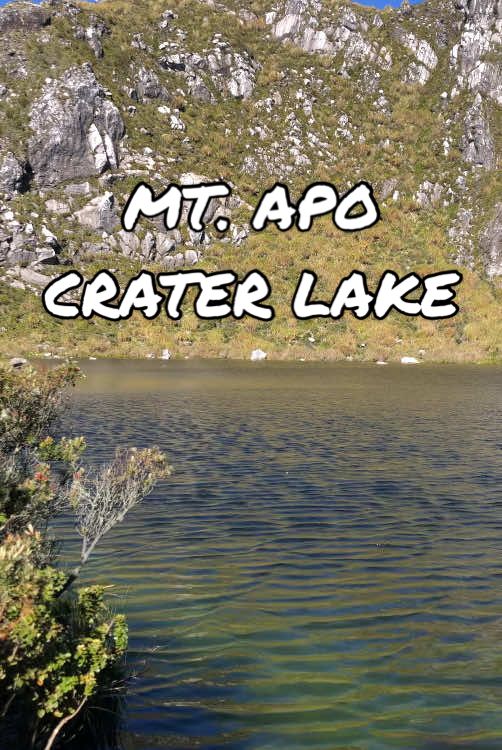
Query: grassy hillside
{"points": [[402, 140]]}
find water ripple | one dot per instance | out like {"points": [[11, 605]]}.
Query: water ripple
{"points": [[324, 569]]}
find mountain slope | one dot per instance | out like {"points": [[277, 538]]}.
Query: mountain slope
{"points": [[94, 99]]}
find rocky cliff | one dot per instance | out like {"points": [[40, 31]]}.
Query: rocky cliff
{"points": [[94, 98]]}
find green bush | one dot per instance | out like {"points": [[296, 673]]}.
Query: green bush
{"points": [[54, 651], [59, 645]]}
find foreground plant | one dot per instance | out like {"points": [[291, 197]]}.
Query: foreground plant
{"points": [[60, 646]]}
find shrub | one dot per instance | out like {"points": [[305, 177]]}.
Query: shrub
{"points": [[54, 651], [59, 646]]}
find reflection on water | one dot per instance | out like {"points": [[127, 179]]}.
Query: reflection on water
{"points": [[324, 570]]}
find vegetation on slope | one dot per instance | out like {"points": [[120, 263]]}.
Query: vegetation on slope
{"points": [[402, 142]]}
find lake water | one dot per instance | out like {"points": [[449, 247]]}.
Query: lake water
{"points": [[324, 569]]}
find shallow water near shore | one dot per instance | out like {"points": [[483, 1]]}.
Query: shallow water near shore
{"points": [[324, 569]]}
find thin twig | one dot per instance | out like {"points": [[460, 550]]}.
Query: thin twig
{"points": [[7, 706], [62, 723]]}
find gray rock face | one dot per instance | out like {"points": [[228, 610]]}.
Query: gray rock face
{"points": [[460, 234], [78, 188], [159, 245], [481, 35], [192, 67], [93, 38], [215, 204], [388, 187], [20, 249], [148, 247], [54, 206], [418, 71], [154, 247], [420, 48], [491, 244], [477, 143], [148, 87], [300, 23], [428, 194], [198, 89], [99, 214], [129, 243], [47, 256], [166, 18], [296, 14], [19, 245], [138, 42], [17, 362], [164, 244], [23, 17], [32, 277], [94, 33], [232, 73], [76, 129], [13, 174]]}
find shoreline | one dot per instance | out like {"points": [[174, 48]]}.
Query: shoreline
{"points": [[198, 358]]}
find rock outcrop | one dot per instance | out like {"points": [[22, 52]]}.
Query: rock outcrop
{"points": [[301, 22], [477, 143], [99, 214], [491, 244], [21, 245], [93, 34], [14, 175], [23, 16], [420, 69], [219, 70], [147, 87], [481, 35], [77, 129]]}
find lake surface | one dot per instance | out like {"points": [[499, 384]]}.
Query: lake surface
{"points": [[324, 569]]}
